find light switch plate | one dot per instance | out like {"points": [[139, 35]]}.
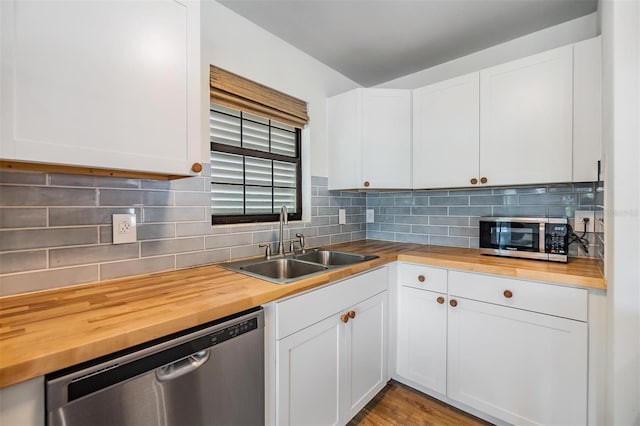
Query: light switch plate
{"points": [[124, 228], [369, 218], [342, 216], [578, 227]]}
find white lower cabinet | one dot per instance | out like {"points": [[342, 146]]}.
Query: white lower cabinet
{"points": [[496, 346], [422, 338], [310, 371], [522, 367], [333, 364]]}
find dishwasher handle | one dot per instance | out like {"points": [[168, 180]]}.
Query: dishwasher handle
{"points": [[183, 366]]}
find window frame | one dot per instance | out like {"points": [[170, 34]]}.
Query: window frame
{"points": [[247, 152]]}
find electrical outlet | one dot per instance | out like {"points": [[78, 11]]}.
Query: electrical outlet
{"points": [[342, 216], [369, 217], [124, 228], [578, 227]]}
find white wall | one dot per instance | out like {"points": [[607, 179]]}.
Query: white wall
{"points": [[235, 44], [620, 22], [560, 35]]}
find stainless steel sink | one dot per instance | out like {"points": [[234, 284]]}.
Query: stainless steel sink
{"points": [[334, 258], [283, 270]]}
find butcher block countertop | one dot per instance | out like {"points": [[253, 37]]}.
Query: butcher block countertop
{"points": [[45, 331]]}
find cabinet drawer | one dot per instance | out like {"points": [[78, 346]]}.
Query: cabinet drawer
{"points": [[549, 299], [422, 277], [302, 311]]}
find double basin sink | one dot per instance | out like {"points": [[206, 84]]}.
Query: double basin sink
{"points": [[283, 270]]}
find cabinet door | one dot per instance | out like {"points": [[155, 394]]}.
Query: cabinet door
{"points": [[386, 138], [526, 113], [344, 134], [366, 349], [587, 119], [422, 338], [446, 133], [519, 366], [113, 85], [310, 372]]}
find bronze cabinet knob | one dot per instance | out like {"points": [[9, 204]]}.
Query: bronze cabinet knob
{"points": [[421, 278], [508, 294], [453, 302], [196, 167], [344, 318], [474, 181], [483, 180], [351, 314], [440, 300], [366, 184]]}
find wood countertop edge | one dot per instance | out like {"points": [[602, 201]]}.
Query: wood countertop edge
{"points": [[559, 278], [46, 361]]}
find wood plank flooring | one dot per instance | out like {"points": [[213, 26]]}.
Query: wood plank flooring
{"points": [[400, 405]]}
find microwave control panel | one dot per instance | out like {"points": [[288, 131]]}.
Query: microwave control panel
{"points": [[557, 238]]}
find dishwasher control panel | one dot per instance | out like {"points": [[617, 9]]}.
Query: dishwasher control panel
{"points": [[234, 330]]}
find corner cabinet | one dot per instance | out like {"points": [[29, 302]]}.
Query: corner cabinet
{"points": [[330, 351], [369, 135], [507, 348], [482, 129], [107, 85]]}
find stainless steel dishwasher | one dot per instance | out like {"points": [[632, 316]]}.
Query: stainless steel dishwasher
{"points": [[209, 375]]}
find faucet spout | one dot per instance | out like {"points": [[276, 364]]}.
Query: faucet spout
{"points": [[284, 220]]}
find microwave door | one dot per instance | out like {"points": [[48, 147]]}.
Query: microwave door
{"points": [[515, 236]]}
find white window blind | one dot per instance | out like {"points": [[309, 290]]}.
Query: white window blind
{"points": [[255, 166]]}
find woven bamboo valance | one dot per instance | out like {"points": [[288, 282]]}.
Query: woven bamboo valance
{"points": [[231, 90]]}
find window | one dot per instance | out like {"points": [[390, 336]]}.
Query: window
{"points": [[255, 150], [255, 167]]}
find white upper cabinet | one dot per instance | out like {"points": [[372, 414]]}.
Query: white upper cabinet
{"points": [[369, 132], [587, 101], [446, 120], [110, 85], [526, 114]]}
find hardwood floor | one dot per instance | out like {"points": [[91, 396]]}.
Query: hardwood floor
{"points": [[401, 405]]}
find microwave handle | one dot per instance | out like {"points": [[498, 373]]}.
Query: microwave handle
{"points": [[542, 234]]}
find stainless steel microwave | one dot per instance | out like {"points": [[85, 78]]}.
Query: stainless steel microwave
{"points": [[545, 238]]}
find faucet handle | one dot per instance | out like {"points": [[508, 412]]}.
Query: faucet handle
{"points": [[267, 250], [301, 241]]}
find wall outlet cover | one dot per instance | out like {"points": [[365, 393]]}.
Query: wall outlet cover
{"points": [[342, 216], [124, 228], [578, 227], [369, 217]]}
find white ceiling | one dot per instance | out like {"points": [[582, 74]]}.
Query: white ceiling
{"points": [[374, 41]]}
